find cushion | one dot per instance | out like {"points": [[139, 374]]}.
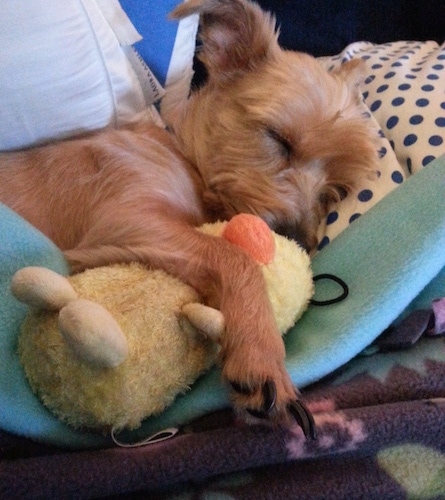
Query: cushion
{"points": [[325, 27], [76, 69], [21, 412], [168, 47], [403, 96]]}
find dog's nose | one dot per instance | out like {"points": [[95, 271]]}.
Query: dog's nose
{"points": [[306, 240]]}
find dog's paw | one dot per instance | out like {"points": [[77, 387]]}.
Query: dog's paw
{"points": [[265, 395], [295, 408]]}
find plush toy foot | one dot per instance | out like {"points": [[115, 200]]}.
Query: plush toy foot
{"points": [[296, 409]]}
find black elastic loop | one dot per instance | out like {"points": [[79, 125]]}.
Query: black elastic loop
{"points": [[335, 299]]}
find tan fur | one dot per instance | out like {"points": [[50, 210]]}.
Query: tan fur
{"points": [[271, 133]]}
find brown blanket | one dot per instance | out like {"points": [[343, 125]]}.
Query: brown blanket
{"points": [[381, 434]]}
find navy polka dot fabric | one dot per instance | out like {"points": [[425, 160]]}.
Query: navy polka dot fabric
{"points": [[404, 95]]}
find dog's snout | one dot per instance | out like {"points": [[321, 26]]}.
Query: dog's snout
{"points": [[305, 239]]}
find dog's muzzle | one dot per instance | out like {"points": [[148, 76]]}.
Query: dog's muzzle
{"points": [[306, 240]]}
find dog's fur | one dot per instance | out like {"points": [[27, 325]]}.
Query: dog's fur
{"points": [[270, 133]]}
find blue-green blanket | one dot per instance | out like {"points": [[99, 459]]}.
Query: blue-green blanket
{"points": [[392, 258]]}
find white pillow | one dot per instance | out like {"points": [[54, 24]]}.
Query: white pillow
{"points": [[66, 67]]}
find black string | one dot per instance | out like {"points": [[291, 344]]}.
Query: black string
{"points": [[337, 280]]}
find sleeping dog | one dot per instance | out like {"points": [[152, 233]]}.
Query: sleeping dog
{"points": [[270, 133]]}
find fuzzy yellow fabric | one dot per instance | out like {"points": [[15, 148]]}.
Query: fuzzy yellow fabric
{"points": [[288, 276], [162, 361], [165, 354]]}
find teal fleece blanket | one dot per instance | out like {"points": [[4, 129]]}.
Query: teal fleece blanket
{"points": [[392, 258]]}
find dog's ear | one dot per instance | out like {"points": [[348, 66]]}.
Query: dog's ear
{"points": [[352, 72], [236, 34]]}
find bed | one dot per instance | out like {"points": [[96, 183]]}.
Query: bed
{"points": [[371, 368]]}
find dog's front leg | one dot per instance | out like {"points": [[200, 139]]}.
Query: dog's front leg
{"points": [[252, 350]]}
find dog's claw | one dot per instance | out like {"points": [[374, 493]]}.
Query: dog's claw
{"points": [[257, 413], [240, 388], [269, 391], [269, 395], [246, 391], [297, 409], [304, 418]]}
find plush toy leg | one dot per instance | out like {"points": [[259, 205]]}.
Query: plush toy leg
{"points": [[87, 327], [205, 320], [93, 334], [42, 288]]}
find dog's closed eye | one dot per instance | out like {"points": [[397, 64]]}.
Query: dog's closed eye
{"points": [[285, 146], [331, 195]]}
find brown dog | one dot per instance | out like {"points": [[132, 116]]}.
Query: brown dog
{"points": [[270, 133]]}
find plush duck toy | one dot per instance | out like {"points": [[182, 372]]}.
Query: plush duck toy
{"points": [[111, 346]]}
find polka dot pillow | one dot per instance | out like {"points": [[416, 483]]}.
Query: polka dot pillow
{"points": [[404, 94]]}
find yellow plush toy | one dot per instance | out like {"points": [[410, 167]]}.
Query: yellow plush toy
{"points": [[111, 346]]}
